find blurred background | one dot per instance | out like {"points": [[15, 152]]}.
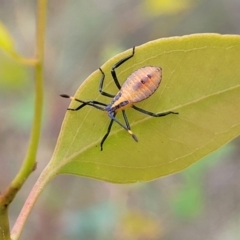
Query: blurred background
{"points": [[202, 202]]}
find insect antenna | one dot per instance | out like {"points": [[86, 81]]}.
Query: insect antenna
{"points": [[85, 103]]}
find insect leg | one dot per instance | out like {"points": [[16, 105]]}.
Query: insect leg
{"points": [[106, 135], [126, 120], [119, 64], [127, 127], [84, 103], [101, 86], [89, 103], [153, 114]]}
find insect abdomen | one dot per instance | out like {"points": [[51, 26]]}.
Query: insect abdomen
{"points": [[142, 83]]}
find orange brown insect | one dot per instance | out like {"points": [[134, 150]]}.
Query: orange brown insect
{"points": [[140, 85]]}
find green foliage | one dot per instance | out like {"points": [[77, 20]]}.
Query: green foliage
{"points": [[189, 201], [13, 74], [6, 41], [156, 7], [200, 81]]}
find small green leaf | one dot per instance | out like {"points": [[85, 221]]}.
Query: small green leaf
{"points": [[201, 81], [13, 73], [6, 41], [156, 7]]}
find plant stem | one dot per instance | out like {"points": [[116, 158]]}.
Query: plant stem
{"points": [[4, 224], [29, 163], [43, 179]]}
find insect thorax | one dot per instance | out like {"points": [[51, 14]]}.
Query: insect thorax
{"points": [[118, 103]]}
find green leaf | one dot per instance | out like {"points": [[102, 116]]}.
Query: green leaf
{"points": [[156, 7], [13, 73], [201, 81], [6, 41]]}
